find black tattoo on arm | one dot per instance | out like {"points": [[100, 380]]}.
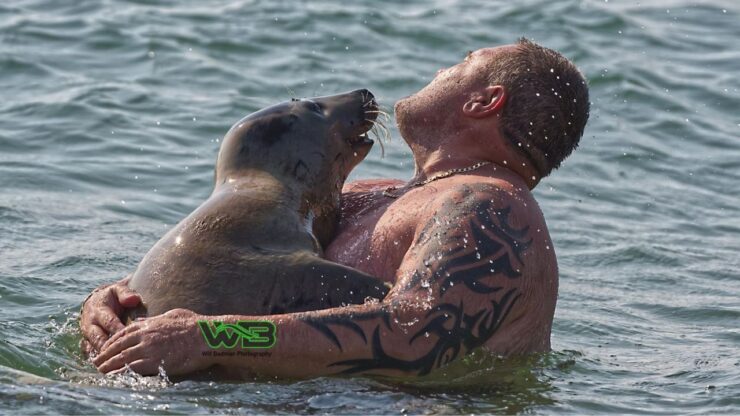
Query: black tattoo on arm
{"points": [[475, 250], [453, 328], [493, 249], [322, 324]]}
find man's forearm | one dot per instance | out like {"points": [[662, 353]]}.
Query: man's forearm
{"points": [[379, 339]]}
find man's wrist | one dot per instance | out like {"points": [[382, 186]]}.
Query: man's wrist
{"points": [[230, 340]]}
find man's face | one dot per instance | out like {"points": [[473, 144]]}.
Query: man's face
{"points": [[439, 104]]}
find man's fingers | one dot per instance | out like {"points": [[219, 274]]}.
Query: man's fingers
{"points": [[118, 335], [115, 346], [144, 366], [119, 361], [127, 297], [86, 347], [95, 338], [107, 318]]}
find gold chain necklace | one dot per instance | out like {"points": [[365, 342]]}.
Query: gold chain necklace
{"points": [[445, 174]]}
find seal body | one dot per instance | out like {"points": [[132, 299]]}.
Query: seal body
{"points": [[254, 246]]}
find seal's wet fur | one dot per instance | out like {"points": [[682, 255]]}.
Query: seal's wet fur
{"points": [[253, 247]]}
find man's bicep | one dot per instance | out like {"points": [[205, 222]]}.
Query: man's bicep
{"points": [[475, 243], [466, 265]]}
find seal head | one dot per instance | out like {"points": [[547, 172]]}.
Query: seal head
{"points": [[314, 143]]}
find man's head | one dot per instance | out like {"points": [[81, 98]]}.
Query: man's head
{"points": [[515, 102]]}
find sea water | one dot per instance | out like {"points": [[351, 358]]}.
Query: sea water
{"points": [[111, 113]]}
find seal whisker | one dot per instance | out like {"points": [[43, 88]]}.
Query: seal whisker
{"points": [[380, 112], [376, 129]]}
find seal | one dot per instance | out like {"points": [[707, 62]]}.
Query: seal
{"points": [[255, 245]]}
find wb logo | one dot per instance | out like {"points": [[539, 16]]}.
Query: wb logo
{"points": [[247, 334]]}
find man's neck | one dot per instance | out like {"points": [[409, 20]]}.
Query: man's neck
{"points": [[441, 151], [438, 162]]}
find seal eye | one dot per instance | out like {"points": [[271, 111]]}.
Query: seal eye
{"points": [[314, 107]]}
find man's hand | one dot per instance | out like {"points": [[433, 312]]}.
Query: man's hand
{"points": [[100, 315], [172, 341]]}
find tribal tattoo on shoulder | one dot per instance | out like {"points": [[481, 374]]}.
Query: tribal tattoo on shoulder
{"points": [[470, 246]]}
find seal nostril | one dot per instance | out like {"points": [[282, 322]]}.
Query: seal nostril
{"points": [[368, 99]]}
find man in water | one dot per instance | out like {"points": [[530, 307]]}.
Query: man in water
{"points": [[463, 243]]}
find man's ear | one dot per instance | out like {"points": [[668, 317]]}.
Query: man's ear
{"points": [[486, 102]]}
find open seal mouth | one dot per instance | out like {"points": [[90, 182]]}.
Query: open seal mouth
{"points": [[368, 115], [360, 140]]}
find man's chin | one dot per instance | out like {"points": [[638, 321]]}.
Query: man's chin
{"points": [[400, 104], [401, 110]]}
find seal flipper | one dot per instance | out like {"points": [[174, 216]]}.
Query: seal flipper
{"points": [[321, 284]]}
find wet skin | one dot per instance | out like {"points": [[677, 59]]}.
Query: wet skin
{"points": [[469, 257]]}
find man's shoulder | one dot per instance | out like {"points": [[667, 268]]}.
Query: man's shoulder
{"points": [[464, 194], [487, 202]]}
